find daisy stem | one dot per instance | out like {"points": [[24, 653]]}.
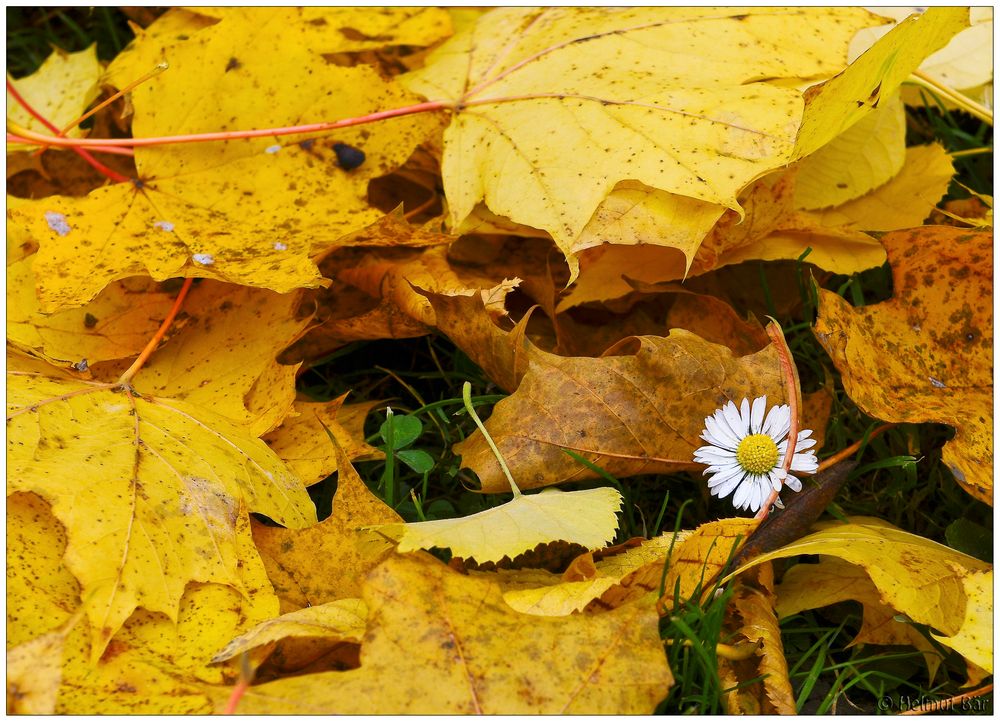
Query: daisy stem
{"points": [[791, 379], [467, 400]]}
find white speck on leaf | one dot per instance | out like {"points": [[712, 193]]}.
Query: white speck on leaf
{"points": [[935, 383], [204, 259], [164, 226], [57, 222], [272, 149], [279, 246]]}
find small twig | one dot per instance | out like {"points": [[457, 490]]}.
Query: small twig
{"points": [[100, 167], [849, 451], [26, 136], [96, 109], [962, 101], [246, 677], [157, 337]]}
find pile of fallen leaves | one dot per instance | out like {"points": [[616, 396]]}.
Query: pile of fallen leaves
{"points": [[564, 159]]}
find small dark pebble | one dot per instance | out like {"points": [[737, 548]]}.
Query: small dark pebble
{"points": [[348, 157]]}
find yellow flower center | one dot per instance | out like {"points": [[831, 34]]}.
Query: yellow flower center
{"points": [[757, 453]]}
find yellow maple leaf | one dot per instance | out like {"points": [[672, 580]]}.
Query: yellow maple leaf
{"points": [[933, 343], [60, 90], [586, 517], [974, 638], [459, 639], [152, 492], [231, 210], [964, 64], [153, 664], [547, 155], [223, 356], [929, 582]]}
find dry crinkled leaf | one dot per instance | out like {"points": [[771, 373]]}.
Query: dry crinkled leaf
{"points": [[622, 411], [860, 159], [925, 354], [465, 319], [922, 579], [832, 580], [393, 275], [752, 615], [374, 293], [115, 325], [618, 88], [459, 637], [587, 517], [303, 444], [327, 562], [834, 106], [707, 316], [60, 90], [152, 491], [343, 619]]}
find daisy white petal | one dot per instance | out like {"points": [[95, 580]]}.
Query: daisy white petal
{"points": [[745, 416], [742, 494], [757, 414], [721, 431], [805, 462], [724, 476], [776, 477], [793, 483], [771, 420], [804, 444], [726, 489], [732, 417], [782, 424], [713, 455]]}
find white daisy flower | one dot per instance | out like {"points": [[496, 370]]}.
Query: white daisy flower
{"points": [[746, 452]]}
